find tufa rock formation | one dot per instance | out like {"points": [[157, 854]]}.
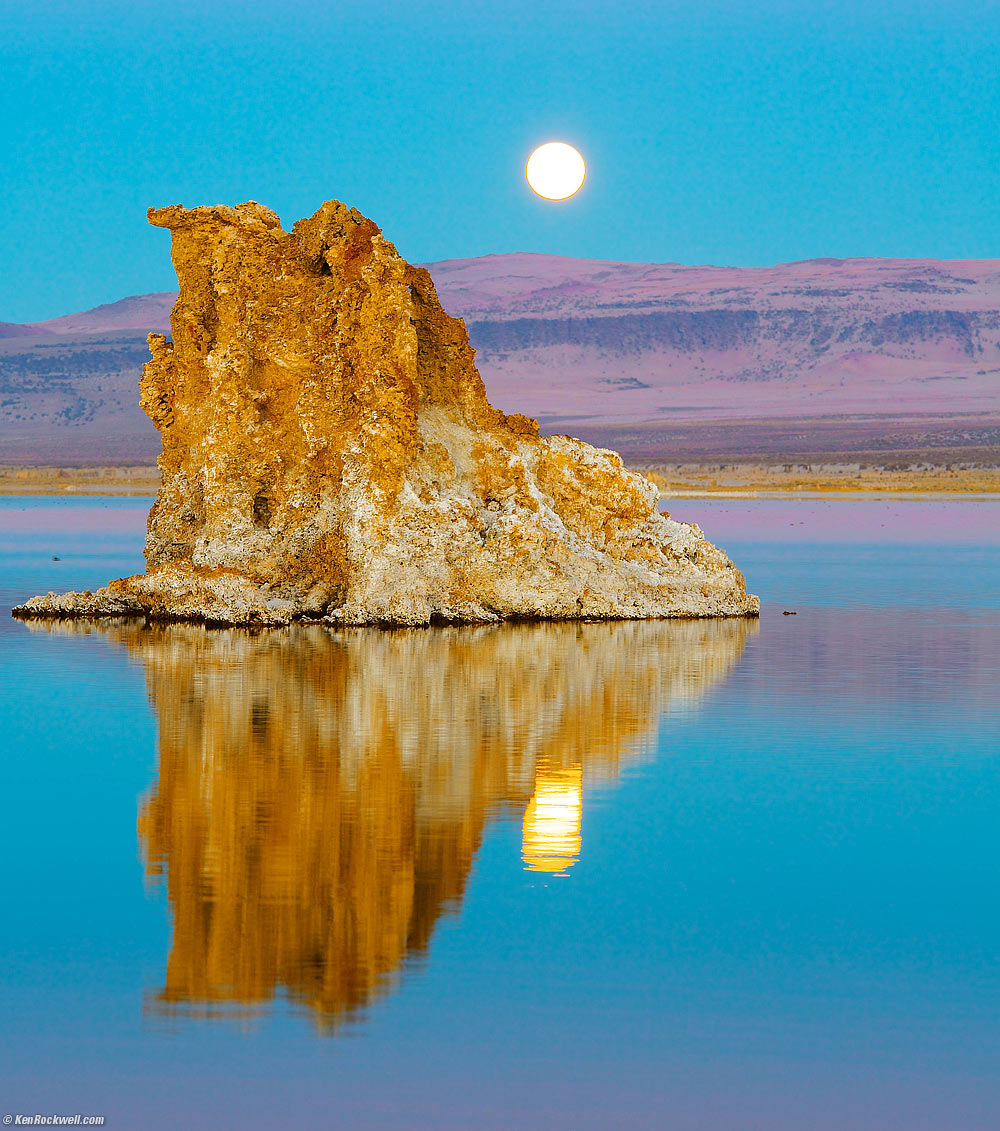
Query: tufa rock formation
{"points": [[329, 453]]}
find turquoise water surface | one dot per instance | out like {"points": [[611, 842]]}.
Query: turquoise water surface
{"points": [[696, 875]]}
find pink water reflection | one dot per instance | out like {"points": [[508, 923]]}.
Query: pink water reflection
{"points": [[944, 520], [75, 516], [940, 519]]}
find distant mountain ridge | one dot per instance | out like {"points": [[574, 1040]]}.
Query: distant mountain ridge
{"points": [[138, 312], [814, 337], [654, 358]]}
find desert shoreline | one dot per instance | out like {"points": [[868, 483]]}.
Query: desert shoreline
{"points": [[674, 480]]}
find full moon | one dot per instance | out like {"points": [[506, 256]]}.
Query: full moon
{"points": [[555, 171]]}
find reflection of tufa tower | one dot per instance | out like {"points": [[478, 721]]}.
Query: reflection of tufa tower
{"points": [[321, 795]]}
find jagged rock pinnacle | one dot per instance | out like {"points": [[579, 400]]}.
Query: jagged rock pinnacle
{"points": [[329, 453]]}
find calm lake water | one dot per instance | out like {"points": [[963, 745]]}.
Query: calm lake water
{"points": [[714, 876]]}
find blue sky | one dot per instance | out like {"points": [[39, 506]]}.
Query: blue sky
{"points": [[722, 132]]}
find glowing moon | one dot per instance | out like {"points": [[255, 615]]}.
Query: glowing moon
{"points": [[555, 171]]}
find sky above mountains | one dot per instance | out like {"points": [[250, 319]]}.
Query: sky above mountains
{"points": [[715, 132]]}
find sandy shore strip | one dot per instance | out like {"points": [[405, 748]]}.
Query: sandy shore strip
{"points": [[734, 481], [136, 480], [731, 481]]}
